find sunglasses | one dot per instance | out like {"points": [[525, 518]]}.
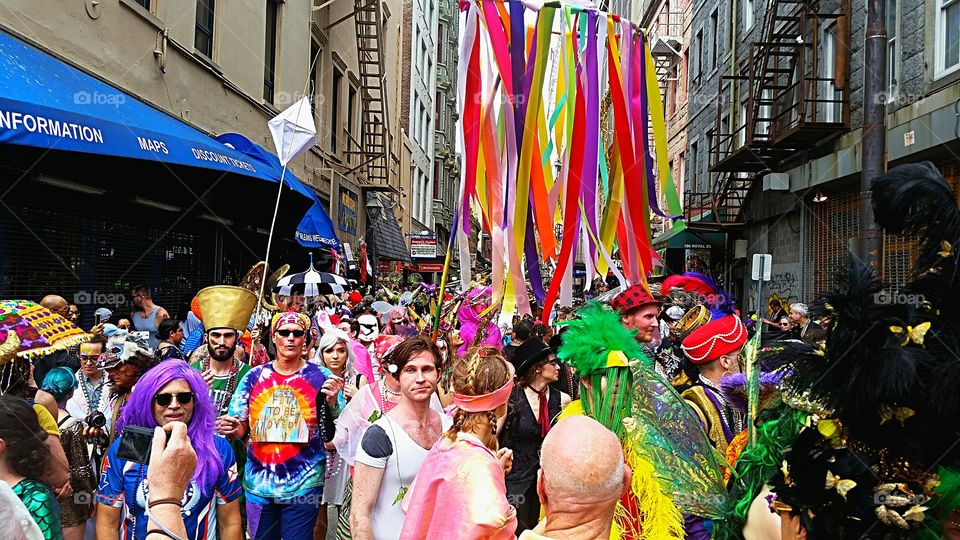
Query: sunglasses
{"points": [[287, 333], [164, 400], [89, 359]]}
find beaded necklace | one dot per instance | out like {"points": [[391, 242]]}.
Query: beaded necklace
{"points": [[92, 396], [224, 399], [733, 416]]}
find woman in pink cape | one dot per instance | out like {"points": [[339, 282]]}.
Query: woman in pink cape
{"points": [[460, 491]]}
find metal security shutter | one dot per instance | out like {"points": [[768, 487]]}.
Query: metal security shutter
{"points": [[834, 222], [831, 225], [95, 263]]}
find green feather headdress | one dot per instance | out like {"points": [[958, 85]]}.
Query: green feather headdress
{"points": [[598, 346], [592, 337]]}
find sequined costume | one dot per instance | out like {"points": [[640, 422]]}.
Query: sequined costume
{"points": [[75, 510]]}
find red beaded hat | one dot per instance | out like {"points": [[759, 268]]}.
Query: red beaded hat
{"points": [[715, 339], [634, 296]]}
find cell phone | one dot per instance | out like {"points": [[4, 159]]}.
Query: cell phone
{"points": [[135, 444], [96, 319]]}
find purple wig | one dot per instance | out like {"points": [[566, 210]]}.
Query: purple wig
{"points": [[139, 412]]}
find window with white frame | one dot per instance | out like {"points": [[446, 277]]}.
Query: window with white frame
{"points": [[830, 108], [747, 15], [947, 37], [715, 37], [893, 47]]}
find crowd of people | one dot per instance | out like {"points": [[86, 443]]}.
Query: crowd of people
{"points": [[662, 414]]}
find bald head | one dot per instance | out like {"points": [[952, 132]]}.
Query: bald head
{"points": [[582, 461], [54, 302]]}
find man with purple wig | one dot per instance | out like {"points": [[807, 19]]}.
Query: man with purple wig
{"points": [[170, 392]]}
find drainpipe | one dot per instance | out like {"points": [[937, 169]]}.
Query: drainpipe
{"points": [[869, 247]]}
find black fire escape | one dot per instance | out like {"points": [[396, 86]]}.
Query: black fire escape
{"points": [[790, 95]]}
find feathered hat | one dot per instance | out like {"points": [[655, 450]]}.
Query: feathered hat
{"points": [[882, 395], [598, 345], [710, 329]]}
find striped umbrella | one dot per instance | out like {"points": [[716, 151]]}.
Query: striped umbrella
{"points": [[311, 283]]}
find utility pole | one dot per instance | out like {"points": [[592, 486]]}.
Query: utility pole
{"points": [[869, 247]]}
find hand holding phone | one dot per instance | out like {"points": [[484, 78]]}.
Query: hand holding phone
{"points": [[172, 462]]}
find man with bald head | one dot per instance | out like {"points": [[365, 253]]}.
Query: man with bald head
{"points": [[579, 484], [63, 358]]}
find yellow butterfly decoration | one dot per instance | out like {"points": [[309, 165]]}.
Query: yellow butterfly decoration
{"points": [[900, 413], [841, 485], [912, 333], [946, 249]]}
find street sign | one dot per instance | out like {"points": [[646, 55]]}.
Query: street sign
{"points": [[762, 262]]}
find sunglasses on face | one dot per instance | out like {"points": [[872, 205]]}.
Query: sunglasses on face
{"points": [[287, 333], [182, 398], [92, 359]]}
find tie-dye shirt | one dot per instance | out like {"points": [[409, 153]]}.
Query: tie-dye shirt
{"points": [[285, 455]]}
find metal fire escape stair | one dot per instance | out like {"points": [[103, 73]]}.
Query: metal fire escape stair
{"points": [[375, 119]]}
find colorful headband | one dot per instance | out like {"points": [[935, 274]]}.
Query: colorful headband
{"points": [[289, 317], [483, 402]]}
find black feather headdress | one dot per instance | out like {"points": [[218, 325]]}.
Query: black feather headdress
{"points": [[887, 379]]}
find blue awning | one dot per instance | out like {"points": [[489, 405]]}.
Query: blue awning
{"points": [[46, 103], [316, 229]]}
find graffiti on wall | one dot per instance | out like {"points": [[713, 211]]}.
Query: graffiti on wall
{"points": [[785, 285]]}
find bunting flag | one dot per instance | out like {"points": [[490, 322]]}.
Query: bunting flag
{"points": [[565, 148]]}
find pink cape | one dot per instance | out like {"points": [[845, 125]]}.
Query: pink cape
{"points": [[459, 493]]}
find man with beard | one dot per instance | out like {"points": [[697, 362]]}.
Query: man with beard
{"points": [[125, 359], [225, 310]]}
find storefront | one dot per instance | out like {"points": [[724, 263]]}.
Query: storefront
{"points": [[690, 251], [102, 192]]}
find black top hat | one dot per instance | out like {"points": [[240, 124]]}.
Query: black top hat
{"points": [[529, 354]]}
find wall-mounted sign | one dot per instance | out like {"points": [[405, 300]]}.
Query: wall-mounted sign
{"points": [[423, 247], [347, 211], [430, 267]]}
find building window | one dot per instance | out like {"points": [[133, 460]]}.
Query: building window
{"points": [[203, 31], [351, 113], [893, 49], [829, 110], [747, 15], [315, 76], [698, 59], [416, 193], [680, 175], [714, 51], [438, 111], [440, 44], [694, 156], [335, 109], [436, 179], [947, 36], [270, 50], [144, 3]]}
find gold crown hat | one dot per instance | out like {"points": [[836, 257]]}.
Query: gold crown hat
{"points": [[226, 306]]}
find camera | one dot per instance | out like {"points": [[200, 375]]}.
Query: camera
{"points": [[96, 419]]}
